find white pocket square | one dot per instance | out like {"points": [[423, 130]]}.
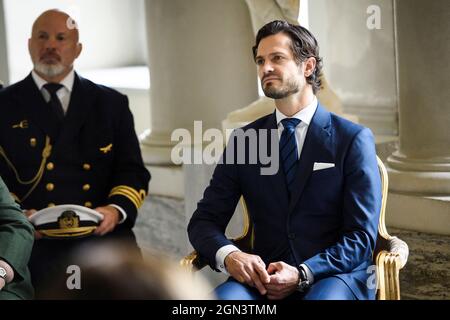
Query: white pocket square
{"points": [[322, 165]]}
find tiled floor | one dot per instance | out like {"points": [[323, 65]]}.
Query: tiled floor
{"points": [[427, 272], [161, 226]]}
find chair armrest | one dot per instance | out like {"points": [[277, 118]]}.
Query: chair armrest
{"points": [[394, 247], [243, 242], [392, 256], [400, 248], [192, 261]]}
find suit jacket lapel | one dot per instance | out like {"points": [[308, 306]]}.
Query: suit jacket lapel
{"points": [[317, 146], [31, 99], [81, 101], [276, 182]]}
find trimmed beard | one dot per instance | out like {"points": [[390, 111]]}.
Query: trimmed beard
{"points": [[49, 70], [280, 93]]}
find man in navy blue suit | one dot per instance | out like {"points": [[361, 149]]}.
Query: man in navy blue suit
{"points": [[315, 220]]}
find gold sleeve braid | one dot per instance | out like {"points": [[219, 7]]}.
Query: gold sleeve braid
{"points": [[136, 197]]}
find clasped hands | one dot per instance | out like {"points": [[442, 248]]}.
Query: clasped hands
{"points": [[277, 281]]}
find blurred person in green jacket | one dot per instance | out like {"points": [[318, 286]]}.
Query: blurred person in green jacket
{"points": [[16, 242]]}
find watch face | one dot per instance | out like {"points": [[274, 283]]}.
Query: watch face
{"points": [[2, 273], [303, 285]]}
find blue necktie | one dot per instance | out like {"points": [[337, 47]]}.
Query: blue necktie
{"points": [[288, 150], [54, 102]]}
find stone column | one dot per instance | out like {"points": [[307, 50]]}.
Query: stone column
{"points": [[200, 64], [4, 72], [201, 68], [419, 170], [359, 58]]}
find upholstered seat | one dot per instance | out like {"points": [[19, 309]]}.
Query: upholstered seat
{"points": [[390, 255]]}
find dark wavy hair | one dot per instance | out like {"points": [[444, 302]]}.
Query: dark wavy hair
{"points": [[303, 44]]}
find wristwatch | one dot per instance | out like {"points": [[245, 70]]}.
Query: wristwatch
{"points": [[303, 282], [3, 273]]}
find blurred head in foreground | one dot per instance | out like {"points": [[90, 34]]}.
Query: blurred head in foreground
{"points": [[109, 271]]}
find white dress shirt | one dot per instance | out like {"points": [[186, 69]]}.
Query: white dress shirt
{"points": [[64, 97], [305, 116], [63, 93]]}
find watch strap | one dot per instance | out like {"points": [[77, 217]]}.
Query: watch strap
{"points": [[303, 282]]}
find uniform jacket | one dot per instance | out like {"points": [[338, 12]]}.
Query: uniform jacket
{"points": [[91, 159]]}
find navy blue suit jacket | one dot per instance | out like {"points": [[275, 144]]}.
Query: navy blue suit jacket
{"points": [[330, 221]]}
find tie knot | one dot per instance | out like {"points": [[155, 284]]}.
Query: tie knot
{"points": [[52, 88], [290, 123]]}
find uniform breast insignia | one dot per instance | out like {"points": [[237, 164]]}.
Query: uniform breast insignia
{"points": [[107, 149], [21, 125], [68, 220]]}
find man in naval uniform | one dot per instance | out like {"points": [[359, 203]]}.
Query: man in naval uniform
{"points": [[65, 140]]}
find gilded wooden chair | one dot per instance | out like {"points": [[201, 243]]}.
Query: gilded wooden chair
{"points": [[390, 255]]}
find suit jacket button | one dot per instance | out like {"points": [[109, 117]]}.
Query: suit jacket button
{"points": [[86, 166], [88, 204], [51, 205], [50, 186], [50, 166], [291, 236], [86, 187]]}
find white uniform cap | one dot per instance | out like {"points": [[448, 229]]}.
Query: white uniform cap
{"points": [[66, 221]]}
